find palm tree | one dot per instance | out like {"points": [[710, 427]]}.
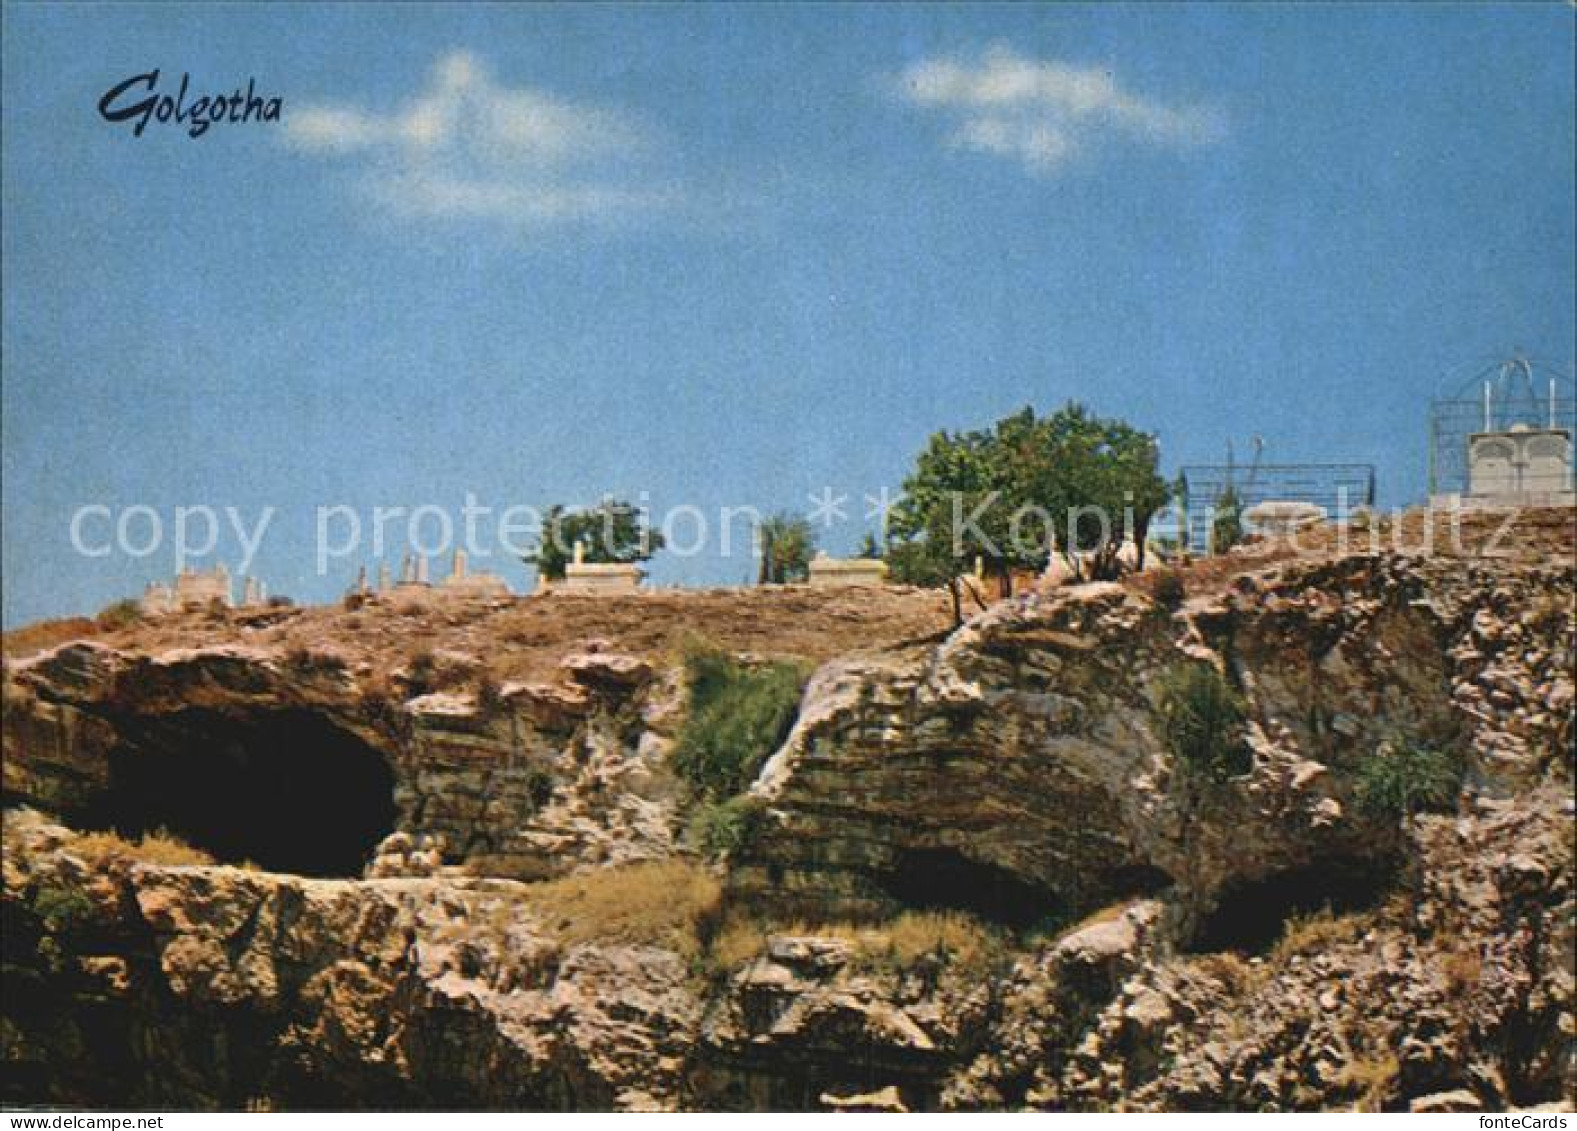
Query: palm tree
{"points": [[787, 543]]}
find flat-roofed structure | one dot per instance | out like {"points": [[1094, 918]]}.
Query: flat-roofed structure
{"points": [[1504, 438], [837, 573]]}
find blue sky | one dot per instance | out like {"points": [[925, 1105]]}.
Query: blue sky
{"points": [[733, 255]]}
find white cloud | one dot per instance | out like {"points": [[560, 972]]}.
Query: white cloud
{"points": [[1043, 112], [467, 147]]}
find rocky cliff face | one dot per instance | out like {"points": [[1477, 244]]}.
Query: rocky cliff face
{"points": [[1016, 767], [1096, 928], [218, 986], [222, 742]]}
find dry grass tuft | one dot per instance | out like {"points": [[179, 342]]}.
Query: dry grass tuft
{"points": [[1550, 610], [673, 903], [1371, 1077], [1230, 970], [957, 939], [33, 638], [948, 938], [157, 847], [1319, 930], [736, 943]]}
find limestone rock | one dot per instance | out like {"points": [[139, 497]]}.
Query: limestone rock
{"points": [[1459, 1099]]}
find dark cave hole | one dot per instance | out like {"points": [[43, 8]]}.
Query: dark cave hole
{"points": [[1135, 881], [945, 879], [287, 790], [1250, 916]]}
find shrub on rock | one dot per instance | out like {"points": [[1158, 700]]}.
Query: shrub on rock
{"points": [[1201, 717]]}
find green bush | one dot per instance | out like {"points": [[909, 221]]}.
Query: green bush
{"points": [[122, 614], [1169, 591], [421, 674], [720, 827], [308, 664], [539, 787], [1226, 530], [1404, 779], [60, 906], [1201, 719], [738, 715], [489, 697]]}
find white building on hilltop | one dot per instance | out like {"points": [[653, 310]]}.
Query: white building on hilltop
{"points": [[1505, 438]]}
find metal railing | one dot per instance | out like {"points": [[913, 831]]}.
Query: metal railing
{"points": [[1337, 488]]}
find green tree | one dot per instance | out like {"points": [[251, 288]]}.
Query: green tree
{"points": [[1012, 495], [928, 542], [611, 531], [787, 543], [1096, 476], [926, 562]]}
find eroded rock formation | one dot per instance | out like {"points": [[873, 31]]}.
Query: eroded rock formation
{"points": [[1016, 767], [1123, 947]]}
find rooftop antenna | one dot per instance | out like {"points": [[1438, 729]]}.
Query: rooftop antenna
{"points": [[1253, 470], [1253, 467]]}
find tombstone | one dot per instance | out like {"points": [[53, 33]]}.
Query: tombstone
{"points": [[581, 575], [836, 573], [199, 588], [158, 599]]}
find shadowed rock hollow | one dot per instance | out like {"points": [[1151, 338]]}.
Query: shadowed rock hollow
{"points": [[287, 790]]}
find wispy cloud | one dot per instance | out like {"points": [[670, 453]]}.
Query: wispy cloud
{"points": [[1042, 112], [469, 147]]}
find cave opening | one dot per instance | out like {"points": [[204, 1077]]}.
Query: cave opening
{"points": [[945, 879], [1135, 881], [1250, 917], [288, 790]]}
